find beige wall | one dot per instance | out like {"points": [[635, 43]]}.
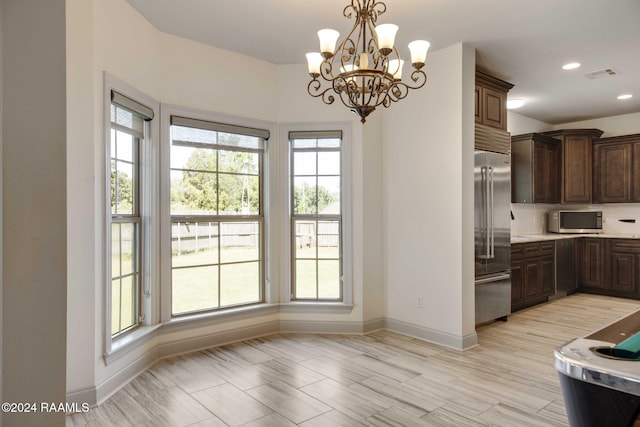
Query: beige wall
{"points": [[34, 207], [428, 204]]}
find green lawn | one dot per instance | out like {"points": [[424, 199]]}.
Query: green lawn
{"points": [[197, 285]]}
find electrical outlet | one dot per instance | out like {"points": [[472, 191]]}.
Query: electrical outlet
{"points": [[419, 302]]}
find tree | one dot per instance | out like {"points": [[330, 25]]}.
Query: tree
{"points": [[121, 191], [309, 199], [218, 180]]}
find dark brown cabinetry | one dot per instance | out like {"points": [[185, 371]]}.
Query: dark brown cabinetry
{"points": [[532, 273], [611, 267], [491, 101], [616, 169], [535, 172], [576, 166], [592, 261], [624, 265]]}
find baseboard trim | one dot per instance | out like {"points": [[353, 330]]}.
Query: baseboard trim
{"points": [[216, 339], [320, 327], [436, 337]]}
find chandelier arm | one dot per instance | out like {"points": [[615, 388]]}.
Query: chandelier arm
{"points": [[314, 89]]}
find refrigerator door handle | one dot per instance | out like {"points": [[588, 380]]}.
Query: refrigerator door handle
{"points": [[490, 225], [498, 277]]}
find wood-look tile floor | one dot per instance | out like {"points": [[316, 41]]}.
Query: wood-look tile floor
{"points": [[379, 379]]}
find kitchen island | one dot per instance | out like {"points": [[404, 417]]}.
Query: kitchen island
{"points": [[598, 388]]}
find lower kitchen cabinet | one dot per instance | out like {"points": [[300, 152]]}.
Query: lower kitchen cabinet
{"points": [[593, 264], [611, 267], [532, 273], [624, 263]]}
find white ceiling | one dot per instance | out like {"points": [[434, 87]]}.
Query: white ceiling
{"points": [[524, 42]]}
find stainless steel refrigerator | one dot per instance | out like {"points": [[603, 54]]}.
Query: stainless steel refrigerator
{"points": [[492, 186]]}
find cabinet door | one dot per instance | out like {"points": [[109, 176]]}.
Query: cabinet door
{"points": [[552, 171], [635, 187], [593, 263], [623, 272], [613, 173], [540, 170], [576, 154], [517, 285], [548, 276], [532, 279], [494, 108]]}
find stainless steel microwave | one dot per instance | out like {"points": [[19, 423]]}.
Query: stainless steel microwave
{"points": [[577, 221]]}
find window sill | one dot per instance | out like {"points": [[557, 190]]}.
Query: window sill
{"points": [[123, 345], [204, 319], [316, 307]]}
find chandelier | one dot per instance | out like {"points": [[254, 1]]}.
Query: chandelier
{"points": [[365, 70]]}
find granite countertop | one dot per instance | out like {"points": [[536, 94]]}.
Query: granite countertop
{"points": [[525, 238]]}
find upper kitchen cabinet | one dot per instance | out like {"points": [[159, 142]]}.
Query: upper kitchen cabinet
{"points": [[576, 147], [491, 101], [616, 169], [535, 169]]}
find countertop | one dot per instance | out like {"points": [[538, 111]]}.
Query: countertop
{"points": [[525, 238]]}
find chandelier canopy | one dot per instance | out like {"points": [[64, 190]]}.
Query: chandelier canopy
{"points": [[365, 70]]}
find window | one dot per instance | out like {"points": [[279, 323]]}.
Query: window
{"points": [[316, 215], [217, 220], [128, 130]]}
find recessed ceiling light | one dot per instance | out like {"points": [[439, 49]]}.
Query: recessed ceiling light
{"points": [[625, 96], [514, 103], [571, 66]]}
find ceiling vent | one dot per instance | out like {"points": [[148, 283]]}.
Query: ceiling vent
{"points": [[601, 73]]}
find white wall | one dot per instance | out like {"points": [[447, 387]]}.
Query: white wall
{"points": [[34, 207], [428, 204], [518, 124]]}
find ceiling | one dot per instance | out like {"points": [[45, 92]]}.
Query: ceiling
{"points": [[521, 41]]}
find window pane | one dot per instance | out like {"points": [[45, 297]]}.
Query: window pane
{"points": [[122, 188], [240, 242], [304, 163], [304, 195], [329, 195], [305, 239], [124, 241], [194, 289], [124, 147], [129, 303], [193, 158], [115, 250], [194, 243], [240, 283], [239, 194], [328, 239], [115, 306], [329, 163], [123, 303], [306, 279], [239, 162], [329, 279]]}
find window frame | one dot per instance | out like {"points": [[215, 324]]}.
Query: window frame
{"points": [[166, 219], [287, 264], [147, 204]]}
